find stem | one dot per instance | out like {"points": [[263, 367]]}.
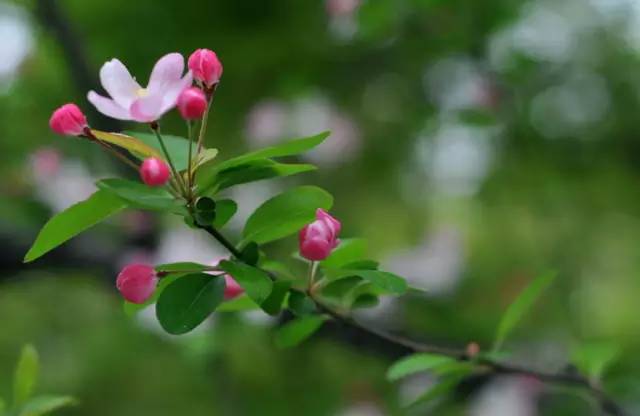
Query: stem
{"points": [[608, 405], [205, 117], [156, 130]]}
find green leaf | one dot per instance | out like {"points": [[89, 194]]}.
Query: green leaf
{"points": [[205, 156], [239, 304], [385, 281], [296, 331], [225, 210], [26, 375], [3, 406], [288, 148], [212, 180], [285, 214], [521, 306], [442, 388], [273, 304], [188, 301], [300, 304], [255, 282], [366, 300], [136, 147], [139, 195], [43, 405], [130, 309], [348, 251], [178, 147], [205, 211], [594, 357], [416, 363], [72, 221], [183, 267]]}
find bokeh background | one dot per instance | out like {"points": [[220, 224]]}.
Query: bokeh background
{"points": [[474, 143]]}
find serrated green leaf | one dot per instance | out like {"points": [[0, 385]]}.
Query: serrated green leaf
{"points": [[26, 375], [186, 302], [594, 357], [521, 306], [225, 210], [348, 251], [139, 195], [416, 363], [285, 214], [43, 405], [178, 147], [298, 330], [74, 220], [254, 281]]}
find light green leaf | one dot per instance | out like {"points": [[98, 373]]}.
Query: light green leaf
{"points": [[26, 375], [521, 306], [139, 195], [225, 210], [135, 146], [296, 331], [205, 156], [43, 405], [74, 220], [186, 302], [348, 251], [385, 281], [416, 363], [239, 304], [285, 214], [594, 357], [443, 387], [178, 147], [255, 282], [183, 267]]}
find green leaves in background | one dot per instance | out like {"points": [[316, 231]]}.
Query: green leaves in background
{"points": [[296, 331], [255, 282], [416, 363], [285, 214], [186, 302], [139, 195], [26, 375], [72, 221], [594, 357], [521, 306], [178, 147], [42, 405]]}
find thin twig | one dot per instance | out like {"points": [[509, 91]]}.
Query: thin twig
{"points": [[205, 117]]}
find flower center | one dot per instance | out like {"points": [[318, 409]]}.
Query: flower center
{"points": [[142, 92]]}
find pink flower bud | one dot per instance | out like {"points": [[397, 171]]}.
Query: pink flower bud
{"points": [[154, 171], [319, 238], [192, 103], [233, 289], [68, 120], [137, 282], [205, 66]]}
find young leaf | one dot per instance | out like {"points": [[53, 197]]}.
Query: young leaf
{"points": [[385, 281], [178, 147], [72, 221], [273, 304], [225, 210], [205, 156], [296, 331], [348, 251], [521, 305], [188, 301], [254, 281], [285, 214], [416, 363], [239, 304], [43, 405], [440, 389], [139, 195], [365, 300], [135, 146], [26, 375], [594, 357]]}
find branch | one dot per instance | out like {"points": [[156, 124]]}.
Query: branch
{"points": [[607, 404]]}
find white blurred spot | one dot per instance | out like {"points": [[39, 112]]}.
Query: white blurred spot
{"points": [[17, 42], [456, 83], [507, 396]]}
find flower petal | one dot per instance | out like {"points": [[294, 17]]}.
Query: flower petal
{"points": [[165, 73], [172, 92], [146, 109], [107, 106], [119, 83]]}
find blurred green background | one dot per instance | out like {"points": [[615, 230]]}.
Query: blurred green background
{"points": [[475, 144]]}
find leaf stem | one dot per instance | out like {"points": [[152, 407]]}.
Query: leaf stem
{"points": [[205, 118], [156, 129]]}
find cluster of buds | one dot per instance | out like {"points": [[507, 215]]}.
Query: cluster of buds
{"points": [[127, 100]]}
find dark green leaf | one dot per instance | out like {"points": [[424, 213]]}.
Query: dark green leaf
{"points": [[339, 289], [205, 211], [348, 251], [178, 147], [139, 195], [74, 220], [255, 282], [250, 254], [225, 210], [273, 304], [26, 375], [43, 405], [188, 301], [296, 331], [362, 265], [366, 300], [521, 306], [300, 304], [285, 214], [239, 304], [387, 282], [416, 363]]}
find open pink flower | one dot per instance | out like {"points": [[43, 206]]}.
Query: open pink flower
{"points": [[129, 101], [319, 238]]}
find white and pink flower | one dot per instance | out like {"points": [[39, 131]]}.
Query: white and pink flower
{"points": [[129, 101]]}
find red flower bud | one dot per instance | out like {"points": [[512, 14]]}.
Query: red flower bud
{"points": [[205, 66], [319, 238], [232, 289], [154, 171], [192, 103], [137, 282], [68, 120]]}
